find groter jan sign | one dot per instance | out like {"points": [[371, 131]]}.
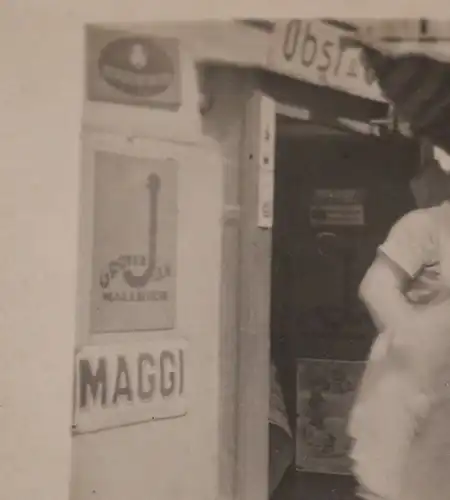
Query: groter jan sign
{"points": [[134, 243], [124, 384], [312, 51], [125, 68]]}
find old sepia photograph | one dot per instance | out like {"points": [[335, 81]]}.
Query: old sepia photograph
{"points": [[236, 283]]}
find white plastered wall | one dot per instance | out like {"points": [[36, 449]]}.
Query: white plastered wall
{"points": [[174, 458], [42, 111]]}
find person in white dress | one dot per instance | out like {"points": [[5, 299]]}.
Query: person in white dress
{"points": [[401, 417]]}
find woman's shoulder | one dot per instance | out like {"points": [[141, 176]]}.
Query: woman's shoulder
{"points": [[441, 221], [414, 224], [428, 218], [439, 215]]}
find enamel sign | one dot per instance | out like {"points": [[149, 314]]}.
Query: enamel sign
{"points": [[265, 153], [131, 69], [129, 383], [312, 51], [134, 257]]}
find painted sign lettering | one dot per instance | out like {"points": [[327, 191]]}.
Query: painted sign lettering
{"points": [[129, 383], [94, 383], [139, 281], [134, 244], [312, 51], [132, 69]]}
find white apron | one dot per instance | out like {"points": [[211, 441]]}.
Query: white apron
{"points": [[394, 444]]}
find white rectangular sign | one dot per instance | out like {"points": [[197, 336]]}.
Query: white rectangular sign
{"points": [[312, 51], [266, 133], [134, 257], [265, 154], [266, 185], [128, 383]]}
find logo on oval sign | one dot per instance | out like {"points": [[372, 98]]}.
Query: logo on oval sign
{"points": [[136, 66]]}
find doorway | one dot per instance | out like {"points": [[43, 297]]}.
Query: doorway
{"points": [[337, 193]]}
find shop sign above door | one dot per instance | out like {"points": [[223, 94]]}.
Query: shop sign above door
{"points": [[130, 69], [128, 383], [312, 51]]}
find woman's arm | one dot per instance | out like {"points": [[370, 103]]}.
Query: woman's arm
{"points": [[408, 248], [382, 291]]}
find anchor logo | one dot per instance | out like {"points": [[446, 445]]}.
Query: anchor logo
{"points": [[120, 265], [139, 281]]}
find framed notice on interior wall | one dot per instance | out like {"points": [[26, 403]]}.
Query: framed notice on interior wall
{"points": [[325, 393], [337, 207], [134, 243]]}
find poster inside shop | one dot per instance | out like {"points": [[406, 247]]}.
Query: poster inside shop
{"points": [[325, 394], [134, 250], [337, 207]]}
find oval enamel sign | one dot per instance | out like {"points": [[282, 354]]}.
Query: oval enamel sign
{"points": [[136, 66]]}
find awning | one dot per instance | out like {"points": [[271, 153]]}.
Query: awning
{"points": [[417, 82]]}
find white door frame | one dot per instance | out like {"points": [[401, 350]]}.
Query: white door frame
{"points": [[255, 294], [254, 321]]}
